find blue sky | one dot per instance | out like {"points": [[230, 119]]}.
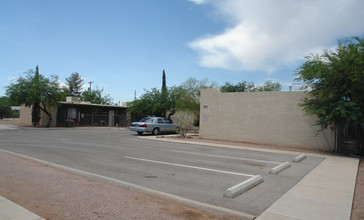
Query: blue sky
{"points": [[123, 46]]}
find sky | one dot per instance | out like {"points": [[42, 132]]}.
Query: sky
{"points": [[123, 46]]}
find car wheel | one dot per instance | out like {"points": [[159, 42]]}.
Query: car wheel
{"points": [[140, 132], [156, 131]]}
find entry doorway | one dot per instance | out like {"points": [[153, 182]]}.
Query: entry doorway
{"points": [[111, 118], [350, 139]]}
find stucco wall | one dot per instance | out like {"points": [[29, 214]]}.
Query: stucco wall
{"points": [[26, 116], [272, 118]]}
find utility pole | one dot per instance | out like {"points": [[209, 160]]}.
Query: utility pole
{"points": [[90, 85]]}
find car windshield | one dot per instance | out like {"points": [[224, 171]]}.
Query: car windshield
{"points": [[147, 120], [167, 121]]}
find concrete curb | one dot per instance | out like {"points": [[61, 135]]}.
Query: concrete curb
{"points": [[299, 158], [138, 188], [242, 187], [280, 168]]}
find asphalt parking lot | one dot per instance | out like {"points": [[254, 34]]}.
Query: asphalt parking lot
{"points": [[195, 172]]}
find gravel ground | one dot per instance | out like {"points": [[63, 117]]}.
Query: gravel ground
{"points": [[358, 205], [54, 194]]}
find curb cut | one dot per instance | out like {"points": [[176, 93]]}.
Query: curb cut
{"points": [[138, 188]]}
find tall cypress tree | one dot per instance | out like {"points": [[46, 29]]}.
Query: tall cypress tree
{"points": [[36, 105], [164, 95], [164, 83]]}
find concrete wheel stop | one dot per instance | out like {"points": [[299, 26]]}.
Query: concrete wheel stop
{"points": [[299, 158], [242, 187], [280, 168]]}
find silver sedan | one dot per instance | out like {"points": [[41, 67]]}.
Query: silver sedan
{"points": [[154, 125]]}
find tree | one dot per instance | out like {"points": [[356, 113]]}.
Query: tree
{"points": [[157, 102], [164, 82], [96, 97], [36, 91], [74, 84], [242, 86], [190, 98], [153, 103], [335, 81], [245, 86], [183, 97], [148, 104], [5, 110], [164, 105], [36, 104], [269, 86]]}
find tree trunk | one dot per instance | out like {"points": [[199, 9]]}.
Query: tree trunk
{"points": [[44, 109], [170, 114]]}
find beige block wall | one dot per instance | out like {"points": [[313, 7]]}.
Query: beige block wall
{"points": [[26, 116], [272, 118]]}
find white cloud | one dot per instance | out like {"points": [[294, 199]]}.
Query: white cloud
{"points": [[265, 35], [199, 1]]}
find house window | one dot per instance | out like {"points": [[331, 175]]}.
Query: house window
{"points": [[72, 113]]}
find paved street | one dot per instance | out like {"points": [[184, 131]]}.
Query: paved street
{"points": [[200, 173]]}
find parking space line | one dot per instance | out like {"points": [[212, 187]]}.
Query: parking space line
{"points": [[192, 167], [227, 157]]}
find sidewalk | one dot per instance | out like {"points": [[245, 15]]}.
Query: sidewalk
{"points": [[325, 193], [12, 211]]}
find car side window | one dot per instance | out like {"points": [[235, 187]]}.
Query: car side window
{"points": [[160, 121], [147, 120], [167, 121]]}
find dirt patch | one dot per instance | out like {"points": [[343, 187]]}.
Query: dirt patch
{"points": [[358, 202]]}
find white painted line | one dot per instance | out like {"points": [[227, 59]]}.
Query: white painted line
{"points": [[299, 158], [131, 186], [192, 167], [227, 157], [280, 168], [8, 127], [242, 187]]}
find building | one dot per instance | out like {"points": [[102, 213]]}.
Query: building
{"points": [[73, 112]]}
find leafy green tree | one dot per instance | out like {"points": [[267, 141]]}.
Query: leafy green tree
{"points": [[244, 86], [269, 86], [190, 98], [148, 104], [335, 81], [96, 96], [5, 110], [157, 102], [35, 90], [153, 103], [74, 84], [183, 97]]}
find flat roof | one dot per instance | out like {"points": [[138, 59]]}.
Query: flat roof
{"points": [[90, 104]]}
